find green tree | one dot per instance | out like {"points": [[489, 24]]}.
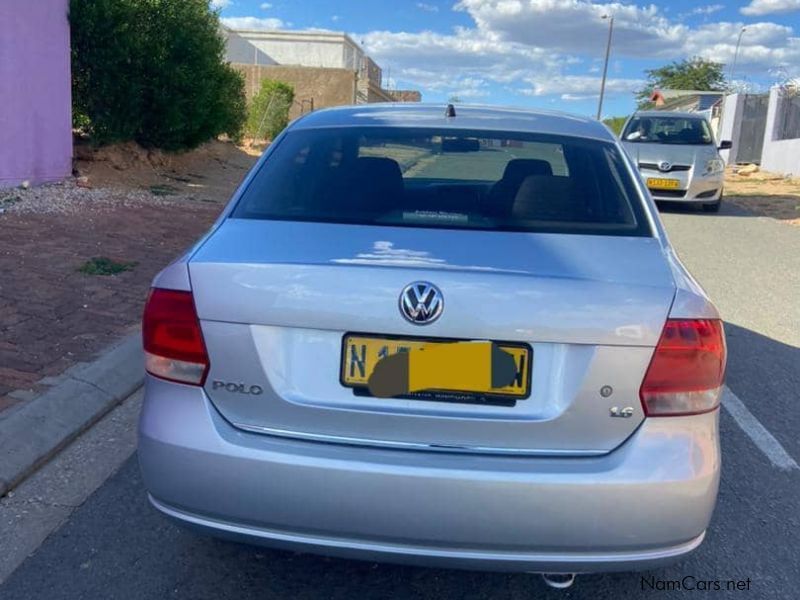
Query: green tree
{"points": [[152, 71], [615, 123], [268, 113], [107, 53], [688, 74]]}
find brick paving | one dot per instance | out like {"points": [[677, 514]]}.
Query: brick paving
{"points": [[52, 315]]}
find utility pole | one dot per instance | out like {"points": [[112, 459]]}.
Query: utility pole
{"points": [[735, 55], [605, 65]]}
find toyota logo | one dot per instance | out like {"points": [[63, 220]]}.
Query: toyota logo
{"points": [[421, 303], [664, 166]]}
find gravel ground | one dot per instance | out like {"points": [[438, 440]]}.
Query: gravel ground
{"points": [[69, 198]]}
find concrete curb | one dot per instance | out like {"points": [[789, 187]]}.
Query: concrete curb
{"points": [[34, 432]]}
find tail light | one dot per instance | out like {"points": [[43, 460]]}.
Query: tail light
{"points": [[686, 373], [173, 342]]}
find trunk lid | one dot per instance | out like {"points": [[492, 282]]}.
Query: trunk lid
{"points": [[276, 298]]}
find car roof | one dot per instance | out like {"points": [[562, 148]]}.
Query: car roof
{"points": [[468, 117], [668, 113]]}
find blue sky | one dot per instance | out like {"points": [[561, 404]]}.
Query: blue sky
{"points": [[543, 53]]}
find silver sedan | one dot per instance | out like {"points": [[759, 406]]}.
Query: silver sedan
{"points": [[438, 337]]}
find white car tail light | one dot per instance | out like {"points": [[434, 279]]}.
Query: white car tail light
{"points": [[173, 342], [686, 373]]}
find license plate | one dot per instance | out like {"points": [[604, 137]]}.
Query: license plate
{"points": [[656, 183], [360, 354]]}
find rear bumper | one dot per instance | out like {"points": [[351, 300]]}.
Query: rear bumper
{"points": [[643, 505], [543, 562]]}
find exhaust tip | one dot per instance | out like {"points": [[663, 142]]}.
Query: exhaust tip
{"points": [[559, 581]]}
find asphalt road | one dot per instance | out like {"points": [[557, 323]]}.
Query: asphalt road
{"points": [[115, 546]]}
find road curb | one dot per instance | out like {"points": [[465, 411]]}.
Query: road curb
{"points": [[33, 433]]}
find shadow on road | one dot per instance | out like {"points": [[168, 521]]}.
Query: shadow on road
{"points": [[765, 374], [727, 209]]}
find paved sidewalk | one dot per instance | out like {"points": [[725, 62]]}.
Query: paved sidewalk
{"points": [[42, 503], [53, 316]]}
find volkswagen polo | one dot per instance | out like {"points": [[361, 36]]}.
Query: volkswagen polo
{"points": [[550, 373]]}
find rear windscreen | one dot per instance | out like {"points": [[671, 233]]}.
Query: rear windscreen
{"points": [[446, 179]]}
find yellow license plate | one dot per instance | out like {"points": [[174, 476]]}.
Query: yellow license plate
{"points": [[360, 354], [656, 183]]}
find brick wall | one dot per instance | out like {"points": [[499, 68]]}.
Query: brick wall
{"points": [[327, 87], [368, 91], [371, 71]]}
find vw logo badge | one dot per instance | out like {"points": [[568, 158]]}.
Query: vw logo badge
{"points": [[664, 166], [421, 303]]}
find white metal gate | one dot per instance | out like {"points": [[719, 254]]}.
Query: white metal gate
{"points": [[751, 134]]}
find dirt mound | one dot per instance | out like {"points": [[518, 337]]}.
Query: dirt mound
{"points": [[210, 172], [122, 157]]}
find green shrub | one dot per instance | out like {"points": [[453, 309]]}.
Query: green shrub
{"points": [[268, 112], [615, 123], [152, 71]]}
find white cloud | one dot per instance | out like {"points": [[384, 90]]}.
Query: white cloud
{"points": [[766, 7], [220, 4], [444, 62], [335, 18], [265, 6], [252, 23], [468, 88], [427, 7], [577, 25], [764, 45], [642, 32], [578, 97], [575, 86], [467, 63], [708, 9]]}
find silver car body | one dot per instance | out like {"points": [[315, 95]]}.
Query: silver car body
{"points": [[556, 485], [685, 163]]}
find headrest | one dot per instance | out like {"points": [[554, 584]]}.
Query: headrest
{"points": [[379, 167], [546, 198], [519, 168]]}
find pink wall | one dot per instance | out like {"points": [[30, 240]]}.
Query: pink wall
{"points": [[35, 111]]}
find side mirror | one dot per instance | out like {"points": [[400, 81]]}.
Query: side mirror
{"points": [[725, 145]]}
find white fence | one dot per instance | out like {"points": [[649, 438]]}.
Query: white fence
{"points": [[780, 155], [780, 148]]}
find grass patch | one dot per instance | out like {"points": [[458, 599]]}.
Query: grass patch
{"points": [[100, 265], [163, 190]]}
